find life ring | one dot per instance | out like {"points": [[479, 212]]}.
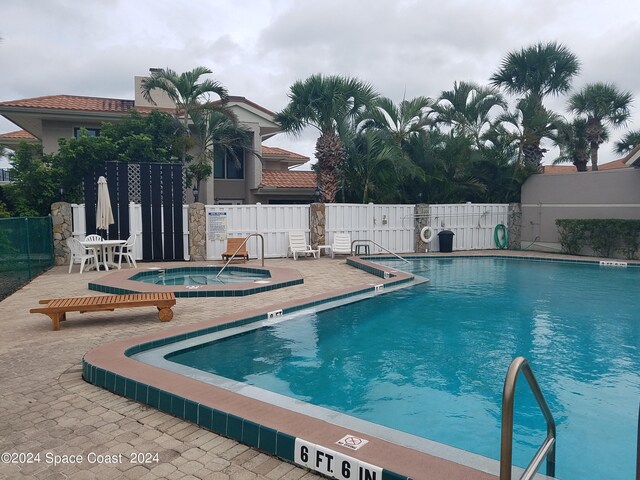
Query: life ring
{"points": [[423, 237], [501, 244]]}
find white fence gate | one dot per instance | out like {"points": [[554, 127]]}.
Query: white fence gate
{"points": [[135, 226], [381, 223], [273, 222], [472, 224]]}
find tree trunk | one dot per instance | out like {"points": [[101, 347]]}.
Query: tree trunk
{"points": [[532, 155], [594, 136], [330, 155], [594, 156], [580, 161]]}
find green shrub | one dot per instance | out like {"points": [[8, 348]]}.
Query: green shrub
{"points": [[606, 237], [571, 235]]}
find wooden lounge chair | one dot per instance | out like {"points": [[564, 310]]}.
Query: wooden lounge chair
{"points": [[57, 308], [233, 243]]}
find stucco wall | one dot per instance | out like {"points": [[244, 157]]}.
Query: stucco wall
{"points": [[53, 130], [603, 194]]}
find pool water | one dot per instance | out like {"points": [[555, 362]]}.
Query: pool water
{"points": [[430, 360], [201, 276]]}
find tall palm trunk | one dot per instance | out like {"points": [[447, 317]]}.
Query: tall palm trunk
{"points": [[532, 153], [594, 156], [594, 135], [580, 161], [330, 155]]}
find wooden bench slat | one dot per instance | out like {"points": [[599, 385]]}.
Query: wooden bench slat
{"points": [[56, 308]]}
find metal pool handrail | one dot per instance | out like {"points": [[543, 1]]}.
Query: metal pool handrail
{"points": [[379, 246], [240, 247], [638, 446], [548, 447]]}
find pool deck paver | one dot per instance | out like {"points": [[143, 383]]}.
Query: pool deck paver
{"points": [[46, 408]]}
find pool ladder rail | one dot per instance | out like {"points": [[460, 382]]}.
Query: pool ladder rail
{"points": [[379, 246], [548, 447], [240, 248]]}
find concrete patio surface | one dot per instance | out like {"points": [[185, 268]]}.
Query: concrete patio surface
{"points": [[46, 408]]}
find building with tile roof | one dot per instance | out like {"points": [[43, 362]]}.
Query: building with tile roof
{"points": [[47, 119], [558, 169]]}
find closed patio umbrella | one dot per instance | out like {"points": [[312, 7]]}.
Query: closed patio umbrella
{"points": [[104, 214]]}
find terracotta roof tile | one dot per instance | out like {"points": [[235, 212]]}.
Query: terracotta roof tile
{"points": [[288, 179], [281, 152], [17, 135], [556, 169], [613, 165], [73, 102]]}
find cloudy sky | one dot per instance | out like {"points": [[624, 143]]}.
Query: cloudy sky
{"points": [[258, 48]]}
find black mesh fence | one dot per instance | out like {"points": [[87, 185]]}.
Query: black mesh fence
{"points": [[26, 250]]}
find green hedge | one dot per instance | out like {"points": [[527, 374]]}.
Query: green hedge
{"points": [[606, 237]]}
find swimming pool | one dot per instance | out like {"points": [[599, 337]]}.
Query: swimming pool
{"points": [[438, 353]]}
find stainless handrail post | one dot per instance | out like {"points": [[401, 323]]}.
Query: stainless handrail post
{"points": [[548, 447], [638, 445], [240, 247], [379, 246]]}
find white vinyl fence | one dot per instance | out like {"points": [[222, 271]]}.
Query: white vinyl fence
{"points": [[381, 223], [135, 226], [392, 226], [273, 222], [472, 224]]}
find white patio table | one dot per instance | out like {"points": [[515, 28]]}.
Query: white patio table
{"points": [[105, 250]]}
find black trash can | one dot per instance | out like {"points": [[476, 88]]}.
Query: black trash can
{"points": [[445, 238]]}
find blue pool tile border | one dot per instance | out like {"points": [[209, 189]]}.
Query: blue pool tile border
{"points": [[266, 439]]}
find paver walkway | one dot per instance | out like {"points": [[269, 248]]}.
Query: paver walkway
{"points": [[47, 409]]}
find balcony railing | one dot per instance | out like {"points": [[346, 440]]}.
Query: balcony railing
{"points": [[5, 175]]}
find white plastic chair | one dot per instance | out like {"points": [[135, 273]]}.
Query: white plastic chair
{"points": [[94, 237], [298, 246], [126, 250], [81, 253], [341, 244]]}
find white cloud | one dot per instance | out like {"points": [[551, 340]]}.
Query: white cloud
{"points": [[259, 48]]}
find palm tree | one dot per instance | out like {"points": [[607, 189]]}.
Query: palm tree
{"points": [[571, 138], [370, 169], [329, 104], [187, 92], [401, 122], [217, 131], [602, 104], [532, 122], [627, 143], [535, 72], [467, 109], [395, 126]]}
